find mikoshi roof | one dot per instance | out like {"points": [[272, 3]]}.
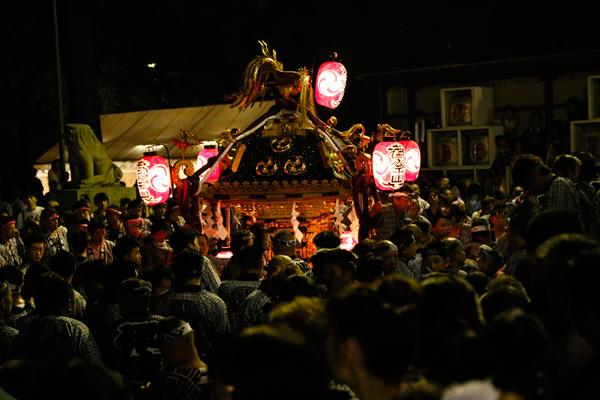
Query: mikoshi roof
{"points": [[280, 160], [126, 135]]}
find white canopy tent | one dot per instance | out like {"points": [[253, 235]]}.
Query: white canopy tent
{"points": [[126, 135]]}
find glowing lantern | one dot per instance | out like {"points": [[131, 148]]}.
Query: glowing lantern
{"points": [[210, 150], [153, 179], [348, 241], [396, 162], [331, 83]]}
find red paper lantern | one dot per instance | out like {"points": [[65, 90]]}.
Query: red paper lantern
{"points": [[208, 152], [396, 162], [153, 179], [331, 83]]}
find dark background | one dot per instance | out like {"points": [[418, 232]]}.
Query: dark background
{"points": [[201, 49]]}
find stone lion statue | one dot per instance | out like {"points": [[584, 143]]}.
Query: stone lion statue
{"points": [[89, 161]]}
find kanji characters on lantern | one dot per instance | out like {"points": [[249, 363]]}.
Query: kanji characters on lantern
{"points": [[394, 163]]}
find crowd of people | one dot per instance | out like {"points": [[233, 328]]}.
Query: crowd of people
{"points": [[454, 294]]}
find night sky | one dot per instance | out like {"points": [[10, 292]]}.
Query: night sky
{"points": [[201, 48]]}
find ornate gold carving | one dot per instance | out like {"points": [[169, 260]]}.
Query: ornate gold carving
{"points": [[266, 167], [188, 170], [294, 165], [281, 145]]}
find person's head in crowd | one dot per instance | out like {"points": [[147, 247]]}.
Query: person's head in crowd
{"points": [[175, 339], [515, 344], [97, 230], [79, 225], [101, 202], [435, 256], [135, 207], [295, 286], [203, 243], [282, 355], [499, 197], [160, 230], [457, 214], [128, 249], [531, 173], [240, 239], [6, 299], [276, 262], [416, 189], [587, 170], [317, 260], [34, 247], [284, 243], [54, 296], [132, 225], [425, 231], [8, 230], [49, 220], [31, 200], [478, 280], [159, 210], [87, 380], [188, 266], [339, 268], [547, 224], [327, 240], [173, 211], [501, 299], [403, 198], [369, 268], [433, 197], [113, 216], [89, 278], [414, 210], [567, 166], [185, 238], [13, 275], [81, 210], [305, 315], [388, 252], [567, 276], [489, 260], [78, 243], [481, 231], [451, 318], [406, 243], [486, 205], [373, 334], [262, 239], [278, 278], [33, 274], [456, 252], [134, 297], [499, 217], [440, 225], [161, 278], [416, 232], [363, 247], [64, 264], [251, 260]]}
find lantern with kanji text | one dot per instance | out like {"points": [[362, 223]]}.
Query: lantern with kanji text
{"points": [[395, 163]]}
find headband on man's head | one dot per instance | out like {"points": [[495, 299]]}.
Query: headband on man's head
{"points": [[401, 194], [176, 333], [285, 242], [118, 212], [480, 228], [134, 221], [7, 224]]}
